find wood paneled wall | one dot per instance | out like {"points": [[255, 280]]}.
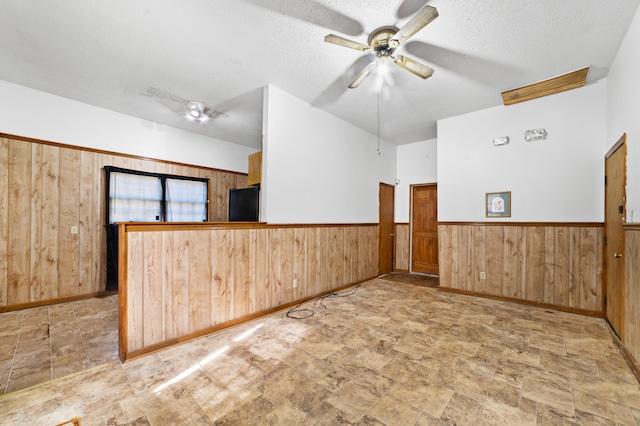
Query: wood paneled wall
{"points": [[402, 247], [551, 264], [47, 188], [631, 316], [181, 282]]}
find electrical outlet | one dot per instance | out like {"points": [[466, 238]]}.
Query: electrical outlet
{"points": [[295, 283], [74, 229], [482, 276]]}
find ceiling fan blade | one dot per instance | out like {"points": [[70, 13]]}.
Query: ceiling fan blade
{"points": [[341, 41], [415, 24], [363, 74], [155, 92], [413, 66], [212, 113]]}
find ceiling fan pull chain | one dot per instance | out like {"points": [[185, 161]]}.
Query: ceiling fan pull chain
{"points": [[378, 120]]}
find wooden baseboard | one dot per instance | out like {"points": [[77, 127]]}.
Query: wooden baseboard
{"points": [[401, 270], [525, 302], [631, 361], [629, 358], [56, 301], [128, 356]]}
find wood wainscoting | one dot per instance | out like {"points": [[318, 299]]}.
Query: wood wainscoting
{"points": [[550, 264], [631, 316], [178, 282], [47, 188], [402, 241]]}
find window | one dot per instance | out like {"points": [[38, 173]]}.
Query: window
{"points": [[186, 200], [152, 197]]}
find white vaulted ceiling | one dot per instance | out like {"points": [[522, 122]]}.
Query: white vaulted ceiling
{"points": [[222, 53]]}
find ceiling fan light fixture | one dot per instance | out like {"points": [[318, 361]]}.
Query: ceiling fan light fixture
{"points": [[383, 41], [196, 111]]}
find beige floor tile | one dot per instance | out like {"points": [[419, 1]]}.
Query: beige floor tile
{"points": [[588, 419], [28, 379], [148, 401], [496, 413], [373, 382], [563, 364], [180, 412], [325, 373], [8, 350], [505, 393], [462, 410], [61, 369], [429, 420], [616, 369], [549, 388], [50, 338], [551, 417], [592, 403], [218, 402], [424, 396], [467, 378], [614, 390], [510, 371], [403, 369], [391, 410], [353, 399], [393, 353], [529, 356], [235, 417]]}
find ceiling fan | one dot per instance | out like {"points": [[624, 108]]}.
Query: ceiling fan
{"points": [[383, 42], [195, 111]]}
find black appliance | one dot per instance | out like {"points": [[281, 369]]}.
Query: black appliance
{"points": [[244, 204]]}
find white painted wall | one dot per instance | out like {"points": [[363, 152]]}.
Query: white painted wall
{"points": [[318, 168], [417, 163], [559, 179], [34, 114], [623, 111]]}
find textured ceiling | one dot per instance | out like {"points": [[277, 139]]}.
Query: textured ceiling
{"points": [[113, 54]]}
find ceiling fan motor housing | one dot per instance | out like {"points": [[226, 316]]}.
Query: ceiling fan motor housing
{"points": [[380, 38]]}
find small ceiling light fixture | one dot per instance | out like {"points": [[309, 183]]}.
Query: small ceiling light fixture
{"points": [[502, 140], [535, 135], [196, 112]]}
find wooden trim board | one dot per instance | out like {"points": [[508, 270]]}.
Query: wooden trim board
{"points": [[48, 302], [119, 154], [571, 224], [553, 85], [572, 310]]}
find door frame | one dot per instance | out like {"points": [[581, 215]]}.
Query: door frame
{"points": [[411, 187], [620, 144]]}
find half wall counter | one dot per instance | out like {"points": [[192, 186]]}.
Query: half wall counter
{"points": [[180, 281]]}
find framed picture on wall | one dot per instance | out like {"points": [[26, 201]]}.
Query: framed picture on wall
{"points": [[498, 204]]}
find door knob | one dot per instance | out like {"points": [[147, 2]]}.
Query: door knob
{"points": [[617, 255]]}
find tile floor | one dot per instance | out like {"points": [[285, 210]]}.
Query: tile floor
{"points": [[391, 354], [49, 342]]}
